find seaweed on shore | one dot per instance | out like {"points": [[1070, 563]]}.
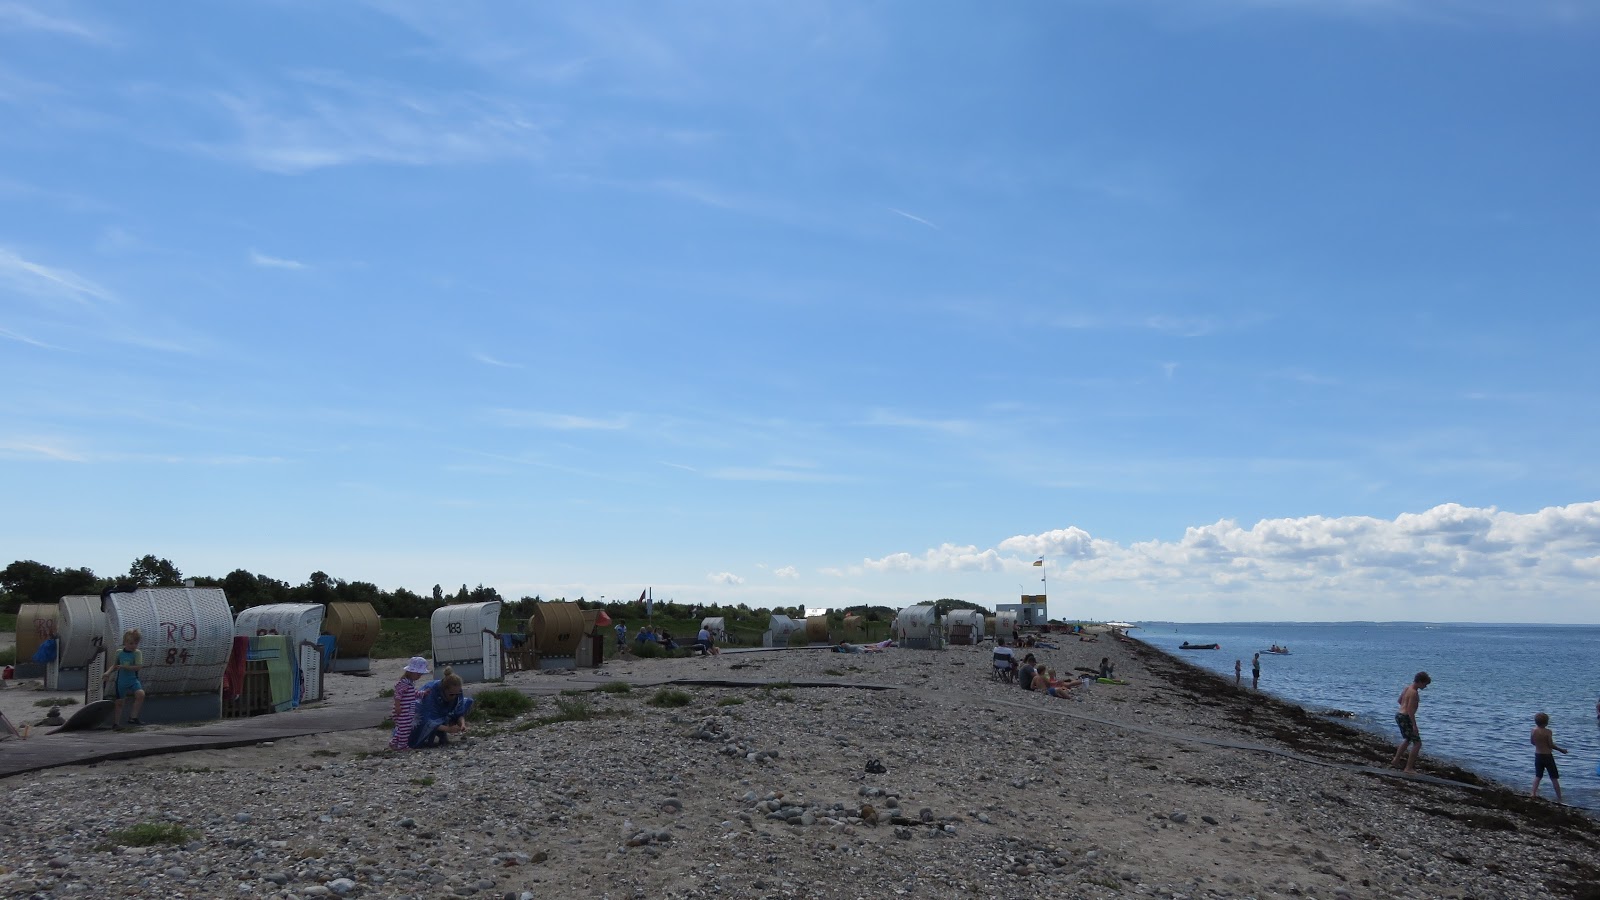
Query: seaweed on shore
{"points": [[1293, 727]]}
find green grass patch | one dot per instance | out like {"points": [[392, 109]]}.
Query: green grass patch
{"points": [[8, 656], [386, 725], [424, 781], [402, 638], [386, 692], [572, 709], [150, 834], [324, 753], [498, 704], [834, 672], [55, 701], [778, 686], [670, 697], [783, 697], [615, 687], [730, 701]]}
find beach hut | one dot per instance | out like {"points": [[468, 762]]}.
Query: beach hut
{"points": [[354, 630], [718, 626], [556, 631], [466, 637], [1005, 626], [187, 639], [80, 634], [36, 624], [817, 631], [300, 624], [917, 627], [779, 631], [963, 626], [854, 626]]}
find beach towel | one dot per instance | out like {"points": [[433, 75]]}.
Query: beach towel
{"points": [[274, 650], [46, 652], [233, 674]]}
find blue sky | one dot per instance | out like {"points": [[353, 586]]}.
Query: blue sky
{"points": [[1230, 309]]}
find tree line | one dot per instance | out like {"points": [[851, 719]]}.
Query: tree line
{"points": [[28, 581]]}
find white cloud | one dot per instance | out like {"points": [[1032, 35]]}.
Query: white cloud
{"points": [[1453, 547], [10, 335], [274, 262], [43, 281], [488, 360], [20, 17], [727, 578], [324, 119], [787, 572], [901, 212], [520, 418]]}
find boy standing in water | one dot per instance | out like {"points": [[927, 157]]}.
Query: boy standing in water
{"points": [[1406, 718], [1544, 757]]}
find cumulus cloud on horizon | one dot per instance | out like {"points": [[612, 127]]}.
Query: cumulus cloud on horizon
{"points": [[724, 578], [1449, 543]]}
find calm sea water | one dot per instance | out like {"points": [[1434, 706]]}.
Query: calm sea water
{"points": [[1488, 681]]}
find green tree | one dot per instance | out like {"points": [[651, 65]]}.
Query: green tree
{"points": [[148, 571], [27, 581]]}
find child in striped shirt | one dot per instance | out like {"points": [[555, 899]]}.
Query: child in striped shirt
{"points": [[405, 702]]}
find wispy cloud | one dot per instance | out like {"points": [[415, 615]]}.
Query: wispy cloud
{"points": [[44, 281], [488, 360], [274, 262], [758, 473], [889, 419], [787, 572], [724, 578], [21, 17], [919, 219], [324, 119], [522, 418], [10, 335]]}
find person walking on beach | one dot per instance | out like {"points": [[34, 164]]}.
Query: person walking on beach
{"points": [[1544, 756], [1238, 672], [1406, 718], [1255, 672], [622, 636]]}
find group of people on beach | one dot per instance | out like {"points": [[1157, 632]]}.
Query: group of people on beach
{"points": [[1542, 738], [427, 716]]}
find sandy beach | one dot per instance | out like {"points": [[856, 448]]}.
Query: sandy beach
{"points": [[914, 773]]}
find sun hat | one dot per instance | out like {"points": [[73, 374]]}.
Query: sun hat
{"points": [[418, 665]]}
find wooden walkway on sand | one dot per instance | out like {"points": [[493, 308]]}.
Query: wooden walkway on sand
{"points": [[47, 750]]}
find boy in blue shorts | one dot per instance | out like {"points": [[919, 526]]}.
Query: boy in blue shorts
{"points": [[130, 659], [1544, 754]]}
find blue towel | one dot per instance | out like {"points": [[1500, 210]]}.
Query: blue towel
{"points": [[46, 652]]}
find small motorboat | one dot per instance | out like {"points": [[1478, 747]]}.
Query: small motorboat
{"points": [[1189, 646], [1281, 651]]}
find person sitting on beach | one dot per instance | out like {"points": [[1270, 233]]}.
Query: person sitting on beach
{"points": [[1005, 660], [646, 635], [704, 643], [1107, 670], [1028, 672], [665, 638], [441, 711]]}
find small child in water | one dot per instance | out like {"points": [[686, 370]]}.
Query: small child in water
{"points": [[405, 703], [1544, 757]]}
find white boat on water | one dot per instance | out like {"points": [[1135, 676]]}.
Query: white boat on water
{"points": [[1120, 625]]}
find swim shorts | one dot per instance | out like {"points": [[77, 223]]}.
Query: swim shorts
{"points": [[1543, 763], [127, 686], [1408, 728]]}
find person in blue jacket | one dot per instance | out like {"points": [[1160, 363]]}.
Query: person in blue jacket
{"points": [[441, 711]]}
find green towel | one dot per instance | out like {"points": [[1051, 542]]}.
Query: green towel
{"points": [[274, 650]]}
